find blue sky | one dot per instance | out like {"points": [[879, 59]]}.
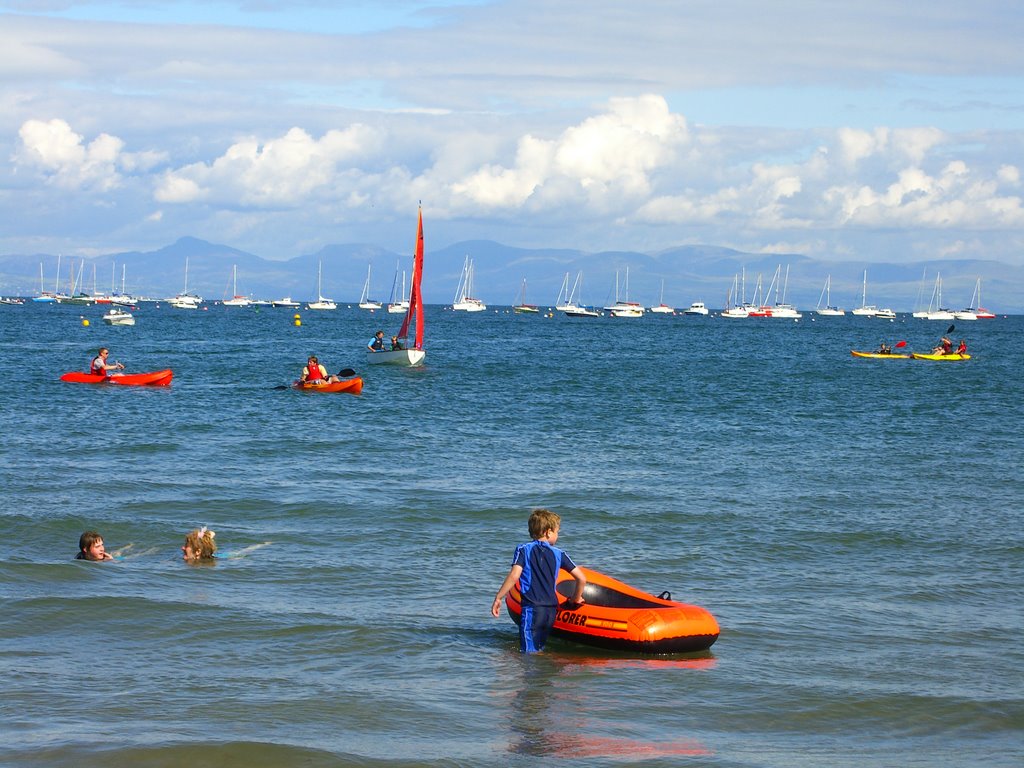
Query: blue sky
{"points": [[861, 131]]}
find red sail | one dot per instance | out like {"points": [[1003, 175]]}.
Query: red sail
{"points": [[415, 299]]}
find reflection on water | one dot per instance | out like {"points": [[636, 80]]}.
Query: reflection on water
{"points": [[550, 716]]}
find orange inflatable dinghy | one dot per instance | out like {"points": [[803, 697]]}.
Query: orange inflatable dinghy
{"points": [[618, 616]]}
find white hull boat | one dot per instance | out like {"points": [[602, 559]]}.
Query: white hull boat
{"points": [[828, 310], [118, 317], [624, 307], [464, 301], [321, 302], [406, 357], [415, 354], [364, 301]]}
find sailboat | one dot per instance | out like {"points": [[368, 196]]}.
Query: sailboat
{"points": [[364, 301], [661, 307], [321, 302], [736, 307], [975, 311], [573, 309], [918, 312], [236, 300], [624, 307], [398, 303], [935, 309], [781, 308], [828, 310], [464, 300], [77, 295], [414, 316], [865, 309], [122, 298], [521, 307], [562, 302], [45, 295], [186, 300]]}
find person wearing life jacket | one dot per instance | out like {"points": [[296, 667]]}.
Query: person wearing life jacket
{"points": [[99, 365], [315, 373], [962, 349], [376, 344]]}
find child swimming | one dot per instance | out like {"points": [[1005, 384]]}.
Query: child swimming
{"points": [[199, 545]]}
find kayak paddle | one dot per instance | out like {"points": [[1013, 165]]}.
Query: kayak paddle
{"points": [[900, 344]]}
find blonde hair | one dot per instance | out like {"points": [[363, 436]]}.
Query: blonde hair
{"points": [[201, 542], [542, 521]]}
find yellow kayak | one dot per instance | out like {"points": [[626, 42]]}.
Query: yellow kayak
{"points": [[939, 356], [879, 355]]}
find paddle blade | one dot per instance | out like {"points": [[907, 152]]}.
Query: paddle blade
{"points": [[281, 386], [346, 372], [900, 344], [951, 329]]}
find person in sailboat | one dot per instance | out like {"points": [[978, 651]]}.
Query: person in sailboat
{"points": [[315, 373], [100, 366], [396, 344], [376, 344]]}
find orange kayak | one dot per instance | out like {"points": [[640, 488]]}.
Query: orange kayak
{"points": [[353, 386], [618, 616], [151, 379]]}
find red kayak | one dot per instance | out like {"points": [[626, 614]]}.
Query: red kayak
{"points": [[151, 379], [353, 386]]}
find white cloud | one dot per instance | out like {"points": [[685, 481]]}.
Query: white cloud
{"points": [[282, 172], [63, 156], [65, 159]]}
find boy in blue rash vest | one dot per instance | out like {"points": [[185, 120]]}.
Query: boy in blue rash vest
{"points": [[535, 566]]}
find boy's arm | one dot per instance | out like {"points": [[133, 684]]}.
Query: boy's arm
{"points": [[506, 585], [581, 582]]}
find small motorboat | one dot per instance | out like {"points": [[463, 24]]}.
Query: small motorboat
{"points": [[151, 379], [353, 386], [620, 617], [119, 317]]}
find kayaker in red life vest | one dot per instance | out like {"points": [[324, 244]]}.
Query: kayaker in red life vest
{"points": [[945, 347], [962, 349], [315, 373], [100, 366]]}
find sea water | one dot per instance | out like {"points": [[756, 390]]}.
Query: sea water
{"points": [[854, 525]]}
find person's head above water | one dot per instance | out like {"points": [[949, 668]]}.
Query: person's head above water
{"points": [[199, 545]]}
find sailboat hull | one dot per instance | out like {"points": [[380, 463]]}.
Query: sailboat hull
{"points": [[406, 357]]}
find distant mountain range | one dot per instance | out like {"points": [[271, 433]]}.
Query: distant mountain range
{"points": [[690, 273]]}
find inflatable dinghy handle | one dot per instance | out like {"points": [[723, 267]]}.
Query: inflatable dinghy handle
{"points": [[666, 595]]}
